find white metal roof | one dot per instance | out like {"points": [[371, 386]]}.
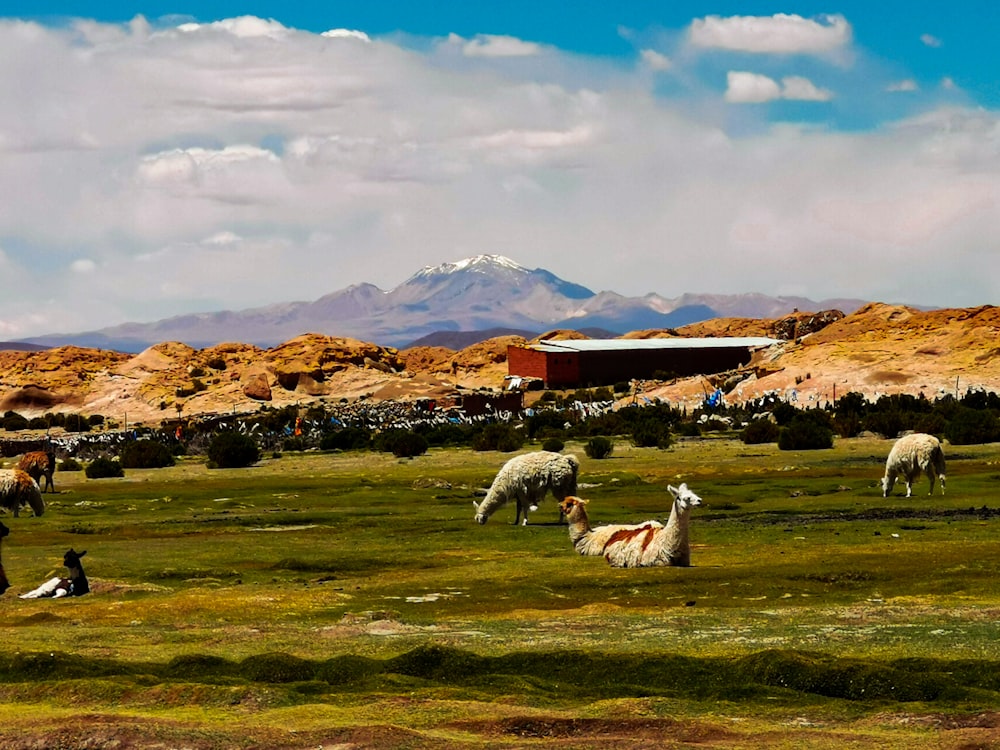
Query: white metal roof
{"points": [[622, 345]]}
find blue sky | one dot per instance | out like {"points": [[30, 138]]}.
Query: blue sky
{"points": [[172, 157]]}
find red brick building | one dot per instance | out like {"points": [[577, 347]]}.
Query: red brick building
{"points": [[590, 362]]}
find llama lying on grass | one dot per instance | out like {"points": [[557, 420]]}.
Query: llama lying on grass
{"points": [[637, 545], [17, 489], [75, 585], [527, 478], [911, 456], [39, 464], [4, 583]]}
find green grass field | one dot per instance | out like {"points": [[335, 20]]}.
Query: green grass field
{"points": [[350, 600]]}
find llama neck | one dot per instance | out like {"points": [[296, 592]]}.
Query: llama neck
{"points": [[579, 525], [676, 535]]}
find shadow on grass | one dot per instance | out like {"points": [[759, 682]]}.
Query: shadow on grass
{"points": [[552, 674]]}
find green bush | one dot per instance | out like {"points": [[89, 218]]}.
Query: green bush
{"points": [[70, 464], [555, 445], [146, 454], [409, 444], [347, 439], [232, 450], [972, 426], [498, 437], [599, 447], [806, 431], [15, 422], [760, 431], [651, 434], [104, 467], [76, 423]]}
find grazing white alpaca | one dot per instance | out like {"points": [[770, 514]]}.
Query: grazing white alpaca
{"points": [[635, 545], [17, 489], [75, 585], [911, 456], [527, 478], [4, 583], [39, 464]]}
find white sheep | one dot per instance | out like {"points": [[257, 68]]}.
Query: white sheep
{"points": [[527, 478], [640, 545], [17, 488], [912, 455]]}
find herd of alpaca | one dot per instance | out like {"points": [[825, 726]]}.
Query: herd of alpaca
{"points": [[526, 479]]}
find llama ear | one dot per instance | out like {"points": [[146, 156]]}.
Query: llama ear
{"points": [[475, 505], [673, 490], [81, 554]]}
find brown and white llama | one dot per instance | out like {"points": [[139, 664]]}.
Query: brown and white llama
{"points": [[76, 584], [17, 488], [639, 545], [4, 583], [39, 464]]}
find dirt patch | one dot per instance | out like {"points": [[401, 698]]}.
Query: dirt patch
{"points": [[888, 376]]}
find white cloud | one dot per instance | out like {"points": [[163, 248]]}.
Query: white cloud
{"points": [[743, 87], [655, 61], [948, 83], [83, 265], [781, 33], [802, 89], [347, 34], [930, 40], [243, 163], [490, 45], [244, 27], [906, 85]]}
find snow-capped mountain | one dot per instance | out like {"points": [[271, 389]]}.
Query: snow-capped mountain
{"points": [[473, 294]]}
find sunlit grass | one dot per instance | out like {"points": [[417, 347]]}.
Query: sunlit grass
{"points": [[317, 556]]}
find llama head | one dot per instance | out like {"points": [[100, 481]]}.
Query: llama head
{"points": [[573, 507], [684, 497], [481, 517], [72, 558], [4, 531], [887, 484]]}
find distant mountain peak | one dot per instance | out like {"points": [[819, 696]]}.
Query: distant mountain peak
{"points": [[477, 263]]}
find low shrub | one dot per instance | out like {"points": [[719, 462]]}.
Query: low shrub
{"points": [[806, 431], [232, 450], [70, 464], [498, 437], [347, 439], [599, 447], [760, 431], [146, 454], [104, 468], [553, 444]]}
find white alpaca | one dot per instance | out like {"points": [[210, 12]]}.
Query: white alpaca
{"points": [[635, 545], [527, 478], [17, 488], [911, 456]]}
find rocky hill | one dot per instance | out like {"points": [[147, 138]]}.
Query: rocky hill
{"points": [[877, 349]]}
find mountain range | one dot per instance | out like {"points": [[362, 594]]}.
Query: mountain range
{"points": [[463, 301]]}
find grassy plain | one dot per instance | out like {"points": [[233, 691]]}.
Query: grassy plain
{"points": [[350, 600]]}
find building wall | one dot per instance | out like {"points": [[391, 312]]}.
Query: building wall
{"points": [[555, 369], [607, 368], [571, 369]]}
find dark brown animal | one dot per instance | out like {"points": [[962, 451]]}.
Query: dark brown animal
{"points": [[4, 583], [75, 585], [39, 464]]}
